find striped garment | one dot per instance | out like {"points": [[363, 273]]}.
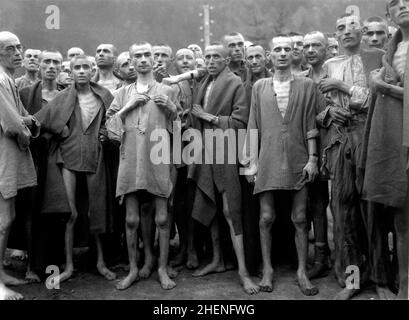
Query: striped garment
{"points": [[399, 59], [282, 90]]}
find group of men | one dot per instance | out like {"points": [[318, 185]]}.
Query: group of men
{"points": [[126, 139]]}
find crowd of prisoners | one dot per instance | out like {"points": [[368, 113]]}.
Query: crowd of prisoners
{"points": [[331, 117]]}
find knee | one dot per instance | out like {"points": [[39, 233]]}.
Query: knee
{"points": [[227, 214], [266, 218], [132, 222], [5, 223], [298, 217], [162, 220], [73, 217]]}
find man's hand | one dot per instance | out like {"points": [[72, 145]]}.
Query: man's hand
{"points": [[170, 80], [310, 171], [28, 121], [135, 101], [103, 138], [164, 102], [329, 84], [339, 115], [160, 72], [198, 112], [377, 82]]}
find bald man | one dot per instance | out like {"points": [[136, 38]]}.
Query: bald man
{"points": [[30, 64], [125, 69], [105, 57], [16, 164], [73, 52], [235, 43], [375, 32]]}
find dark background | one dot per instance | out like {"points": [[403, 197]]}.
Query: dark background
{"points": [[86, 23]]}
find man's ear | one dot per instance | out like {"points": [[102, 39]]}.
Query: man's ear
{"points": [[227, 60]]}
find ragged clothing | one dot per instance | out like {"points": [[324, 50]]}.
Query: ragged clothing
{"points": [[137, 169], [16, 164], [283, 140], [227, 100]]}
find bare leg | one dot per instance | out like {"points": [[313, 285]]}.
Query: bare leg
{"points": [[163, 224], [30, 276], [248, 285], [148, 230], [267, 217], [7, 215], [192, 260], [402, 243], [298, 216], [131, 227], [101, 266], [70, 182], [217, 263]]}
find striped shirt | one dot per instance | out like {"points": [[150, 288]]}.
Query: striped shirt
{"points": [[282, 90]]}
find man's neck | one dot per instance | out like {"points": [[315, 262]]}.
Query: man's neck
{"points": [[257, 76], [235, 65], [106, 73], [317, 71], [49, 85], [127, 82], [31, 75], [352, 51], [83, 88], [282, 75], [145, 78], [9, 72], [405, 33], [296, 66]]}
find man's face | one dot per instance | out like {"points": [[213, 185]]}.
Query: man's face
{"points": [[214, 59], [185, 60], [349, 31], [315, 49], [64, 78], [196, 50], [256, 59], [81, 71], [11, 53], [105, 56], [200, 63], [333, 48], [73, 52], [399, 12], [298, 46], [162, 56], [31, 59], [126, 68], [50, 65], [375, 34], [235, 44], [281, 52], [142, 58]]}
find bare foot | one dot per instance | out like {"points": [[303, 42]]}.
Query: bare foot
{"points": [[179, 259], [11, 281], [147, 269], [384, 293], [67, 274], [192, 261], [345, 294], [7, 294], [248, 285], [339, 276], [213, 267], [105, 272], [266, 283], [306, 286], [319, 270], [173, 273], [32, 277], [165, 282], [126, 282]]}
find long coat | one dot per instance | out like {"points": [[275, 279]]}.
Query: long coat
{"points": [[228, 102], [16, 164], [385, 157]]}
